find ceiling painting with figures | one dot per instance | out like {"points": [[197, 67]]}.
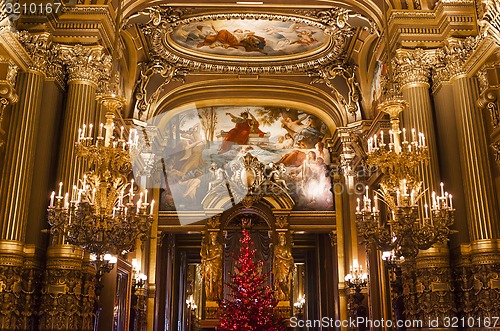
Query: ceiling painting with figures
{"points": [[249, 38], [205, 147]]}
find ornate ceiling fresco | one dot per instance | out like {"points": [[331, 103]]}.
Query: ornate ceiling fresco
{"points": [[243, 40]]}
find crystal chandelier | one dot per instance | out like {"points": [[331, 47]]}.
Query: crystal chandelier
{"points": [[102, 214], [404, 227]]}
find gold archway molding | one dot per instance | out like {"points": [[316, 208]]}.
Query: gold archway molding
{"points": [[250, 92]]}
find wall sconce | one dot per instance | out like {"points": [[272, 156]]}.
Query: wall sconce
{"points": [[139, 278], [190, 303], [390, 259], [356, 278], [299, 304]]}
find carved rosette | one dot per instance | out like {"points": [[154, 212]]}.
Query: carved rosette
{"points": [[86, 64], [413, 66]]}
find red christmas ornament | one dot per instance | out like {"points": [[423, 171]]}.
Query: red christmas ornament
{"points": [[251, 305]]}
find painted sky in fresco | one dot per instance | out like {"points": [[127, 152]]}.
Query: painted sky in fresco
{"points": [[249, 38]]}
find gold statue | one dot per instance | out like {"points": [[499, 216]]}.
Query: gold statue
{"points": [[211, 258], [283, 268]]}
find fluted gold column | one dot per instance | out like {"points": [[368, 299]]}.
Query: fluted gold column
{"points": [[413, 73], [433, 265], [18, 171], [482, 208], [85, 66], [17, 175], [480, 201]]}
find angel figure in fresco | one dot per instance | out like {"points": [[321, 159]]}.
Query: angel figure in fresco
{"points": [[211, 264], [304, 37], [192, 150], [218, 176], [245, 124], [283, 268], [304, 134], [275, 174]]}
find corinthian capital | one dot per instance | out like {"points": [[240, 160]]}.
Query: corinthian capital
{"points": [[413, 66], [43, 53], [86, 64]]}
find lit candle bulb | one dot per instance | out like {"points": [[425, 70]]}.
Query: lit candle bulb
{"points": [[90, 130], [404, 135], [66, 200], [442, 189], [60, 190], [375, 140], [391, 136], [382, 136], [375, 202], [84, 131], [101, 126], [366, 191], [359, 204], [52, 199], [73, 195], [412, 197], [84, 182], [451, 201], [152, 206], [146, 196]]}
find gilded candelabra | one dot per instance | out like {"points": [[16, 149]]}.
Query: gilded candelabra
{"points": [[102, 214], [405, 227]]}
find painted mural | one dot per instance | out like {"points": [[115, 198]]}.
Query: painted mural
{"points": [[203, 146], [249, 38]]}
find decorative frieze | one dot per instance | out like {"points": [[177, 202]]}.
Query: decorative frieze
{"points": [[157, 66], [327, 74]]}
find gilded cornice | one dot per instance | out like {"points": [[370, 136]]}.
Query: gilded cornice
{"points": [[413, 66], [86, 64], [417, 28]]}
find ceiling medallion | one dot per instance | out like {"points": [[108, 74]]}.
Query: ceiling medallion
{"points": [[264, 43]]}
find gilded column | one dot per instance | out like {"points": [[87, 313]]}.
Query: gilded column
{"points": [[16, 179], [413, 70], [85, 66], [480, 282], [68, 300], [432, 294]]}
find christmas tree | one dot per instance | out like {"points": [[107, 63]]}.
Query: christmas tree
{"points": [[251, 305]]}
